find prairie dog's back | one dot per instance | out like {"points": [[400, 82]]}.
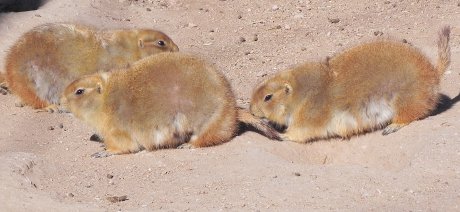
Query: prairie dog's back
{"points": [[50, 44], [379, 69], [188, 87]]}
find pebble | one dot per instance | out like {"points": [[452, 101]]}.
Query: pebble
{"points": [[109, 176], [297, 174], [70, 195], [19, 104], [242, 40], [115, 199], [96, 138], [61, 125], [191, 25], [148, 9], [378, 33], [255, 38], [334, 20], [275, 7], [50, 128]]}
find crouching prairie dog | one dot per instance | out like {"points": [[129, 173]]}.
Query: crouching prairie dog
{"points": [[379, 84], [166, 100], [49, 57]]}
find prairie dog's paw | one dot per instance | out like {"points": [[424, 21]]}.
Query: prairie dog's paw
{"points": [[50, 108], [101, 154], [284, 137], [186, 146], [392, 128], [4, 89]]}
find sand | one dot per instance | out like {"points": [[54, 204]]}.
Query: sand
{"points": [[45, 158]]}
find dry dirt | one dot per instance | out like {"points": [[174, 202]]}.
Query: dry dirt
{"points": [[45, 162]]}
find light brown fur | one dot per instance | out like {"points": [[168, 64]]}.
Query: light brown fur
{"points": [[49, 57], [166, 100], [362, 89]]}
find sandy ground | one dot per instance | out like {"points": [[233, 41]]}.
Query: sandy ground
{"points": [[45, 158]]}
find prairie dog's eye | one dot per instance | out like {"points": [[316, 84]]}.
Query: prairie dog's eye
{"points": [[161, 43], [268, 97], [79, 91]]}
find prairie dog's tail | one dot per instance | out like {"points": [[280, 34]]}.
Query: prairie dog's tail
{"points": [[247, 118], [443, 50]]}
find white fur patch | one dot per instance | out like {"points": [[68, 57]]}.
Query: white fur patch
{"points": [[341, 123], [159, 137], [376, 113]]}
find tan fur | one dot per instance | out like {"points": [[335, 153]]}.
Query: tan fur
{"points": [[165, 100], [49, 57], [362, 89]]}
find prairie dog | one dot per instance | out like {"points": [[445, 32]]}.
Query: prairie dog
{"points": [[49, 57], [165, 100], [374, 85]]}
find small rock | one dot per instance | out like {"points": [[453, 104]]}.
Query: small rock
{"points": [[303, 48], [109, 176], [148, 9], [240, 16], [96, 138], [126, 19], [387, 2], [275, 7], [115, 199], [37, 15], [247, 53], [297, 174], [191, 25], [70, 195], [255, 38], [287, 27], [242, 40], [61, 125], [19, 104], [378, 33], [334, 20], [50, 128]]}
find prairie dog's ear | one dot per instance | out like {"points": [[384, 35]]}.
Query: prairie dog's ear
{"points": [[104, 77], [99, 87], [287, 88], [140, 43]]}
